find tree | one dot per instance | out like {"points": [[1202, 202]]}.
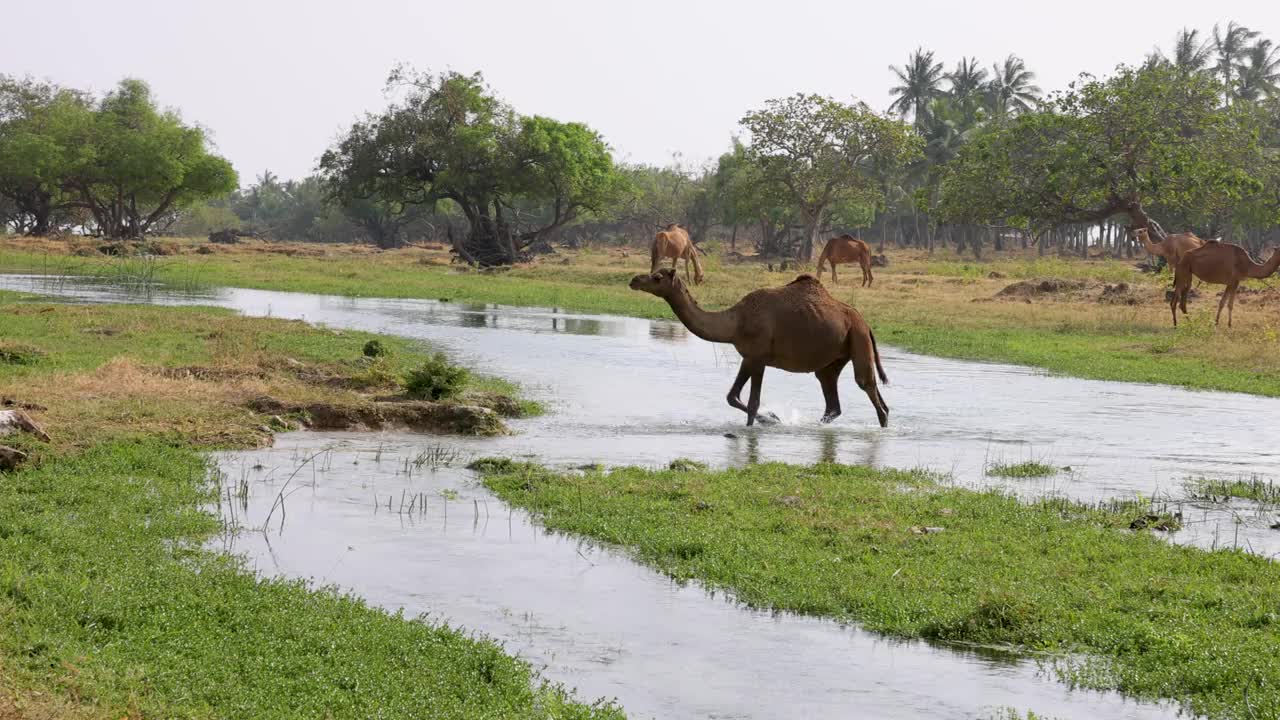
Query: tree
{"points": [[1012, 90], [1145, 138], [819, 152], [451, 139], [1190, 53], [968, 82], [920, 82], [33, 162], [1259, 73], [135, 165], [1230, 44]]}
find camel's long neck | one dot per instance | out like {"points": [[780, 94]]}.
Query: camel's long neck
{"points": [[1266, 269], [710, 326], [1153, 248]]}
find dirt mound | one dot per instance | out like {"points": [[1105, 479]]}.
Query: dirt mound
{"points": [[1119, 294], [1027, 289]]}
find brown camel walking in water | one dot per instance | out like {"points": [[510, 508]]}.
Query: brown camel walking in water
{"points": [[1173, 248], [1221, 264], [674, 243], [846, 249], [799, 328]]}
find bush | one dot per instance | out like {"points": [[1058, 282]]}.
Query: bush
{"points": [[436, 379], [374, 349], [15, 354]]}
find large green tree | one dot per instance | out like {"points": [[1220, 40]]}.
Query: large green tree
{"points": [[34, 161], [450, 139], [818, 152], [136, 165], [1152, 138]]}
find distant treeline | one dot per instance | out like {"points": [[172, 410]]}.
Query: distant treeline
{"points": [[969, 157]]}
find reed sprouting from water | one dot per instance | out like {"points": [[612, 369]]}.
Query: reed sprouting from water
{"points": [[1220, 490]]}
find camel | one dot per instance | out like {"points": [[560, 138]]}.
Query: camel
{"points": [[1173, 248], [1221, 264], [674, 243], [846, 249], [798, 327]]}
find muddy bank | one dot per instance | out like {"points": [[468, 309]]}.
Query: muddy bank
{"points": [[419, 415]]}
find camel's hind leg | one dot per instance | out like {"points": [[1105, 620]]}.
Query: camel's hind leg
{"points": [[829, 377], [863, 352], [686, 270]]}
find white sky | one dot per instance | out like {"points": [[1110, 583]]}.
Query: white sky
{"points": [[276, 81]]}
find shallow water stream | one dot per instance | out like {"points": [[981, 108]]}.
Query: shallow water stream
{"points": [[627, 391]]}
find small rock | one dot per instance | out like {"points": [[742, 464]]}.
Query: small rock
{"points": [[918, 530], [996, 275], [768, 418], [1275, 525], [731, 436], [11, 458], [12, 421], [789, 500], [948, 512]]}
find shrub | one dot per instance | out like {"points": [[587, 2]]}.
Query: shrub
{"points": [[436, 379], [374, 349]]}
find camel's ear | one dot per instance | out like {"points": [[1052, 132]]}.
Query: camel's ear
{"points": [[667, 272]]}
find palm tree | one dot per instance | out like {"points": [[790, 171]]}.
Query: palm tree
{"points": [[1011, 90], [1190, 53], [921, 81], [967, 81], [1259, 73], [1230, 45]]}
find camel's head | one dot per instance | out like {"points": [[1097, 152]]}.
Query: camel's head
{"points": [[698, 277], [1141, 234], [663, 283]]}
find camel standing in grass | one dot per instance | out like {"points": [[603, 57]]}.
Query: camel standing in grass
{"points": [[799, 328], [1221, 264], [846, 249], [674, 243], [1173, 248]]}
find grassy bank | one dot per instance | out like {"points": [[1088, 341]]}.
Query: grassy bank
{"points": [[933, 305], [904, 555], [111, 607]]}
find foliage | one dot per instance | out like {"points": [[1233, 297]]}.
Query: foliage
{"points": [[1027, 469], [1151, 137], [374, 349], [818, 152], [121, 160], [451, 139], [436, 379], [1116, 609]]}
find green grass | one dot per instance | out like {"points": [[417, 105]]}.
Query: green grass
{"points": [[1256, 488], [1119, 609], [106, 594], [1027, 469]]}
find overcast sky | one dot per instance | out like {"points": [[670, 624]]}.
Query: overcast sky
{"points": [[275, 82]]}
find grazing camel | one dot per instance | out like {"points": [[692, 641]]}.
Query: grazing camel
{"points": [[1173, 248], [846, 249], [798, 327], [674, 243], [1221, 264]]}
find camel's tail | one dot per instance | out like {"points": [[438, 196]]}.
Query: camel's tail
{"points": [[876, 351]]}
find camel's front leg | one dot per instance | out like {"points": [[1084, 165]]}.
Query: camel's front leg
{"points": [[753, 401], [686, 270], [1231, 304], [744, 374], [1221, 304]]}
